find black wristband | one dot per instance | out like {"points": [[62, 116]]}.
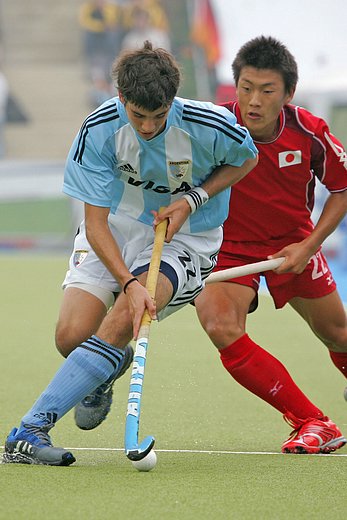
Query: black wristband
{"points": [[128, 283]]}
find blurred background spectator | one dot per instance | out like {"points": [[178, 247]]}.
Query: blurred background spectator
{"points": [[4, 96], [142, 29], [102, 33], [110, 26], [157, 15]]}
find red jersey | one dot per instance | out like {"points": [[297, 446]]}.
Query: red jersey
{"points": [[276, 198]]}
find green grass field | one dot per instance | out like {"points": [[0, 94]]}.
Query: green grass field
{"points": [[232, 468], [36, 216]]}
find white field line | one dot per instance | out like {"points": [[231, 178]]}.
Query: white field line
{"points": [[207, 452], [212, 452]]}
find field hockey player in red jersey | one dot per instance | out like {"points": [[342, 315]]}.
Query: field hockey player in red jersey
{"points": [[270, 217]]}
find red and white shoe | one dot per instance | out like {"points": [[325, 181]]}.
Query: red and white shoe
{"points": [[313, 436]]}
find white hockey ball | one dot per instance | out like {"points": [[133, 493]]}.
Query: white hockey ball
{"points": [[147, 463]]}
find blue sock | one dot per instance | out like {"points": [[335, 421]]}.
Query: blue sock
{"points": [[88, 366]]}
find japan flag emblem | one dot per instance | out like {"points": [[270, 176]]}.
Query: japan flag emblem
{"points": [[289, 158]]}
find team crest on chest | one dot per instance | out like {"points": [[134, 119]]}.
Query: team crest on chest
{"points": [[79, 256], [179, 169]]}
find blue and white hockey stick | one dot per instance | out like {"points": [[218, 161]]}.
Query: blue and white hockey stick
{"points": [[134, 450]]}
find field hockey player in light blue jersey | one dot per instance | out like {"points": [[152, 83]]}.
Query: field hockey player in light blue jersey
{"points": [[138, 152]]}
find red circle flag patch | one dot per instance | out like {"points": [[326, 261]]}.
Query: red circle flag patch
{"points": [[289, 158]]}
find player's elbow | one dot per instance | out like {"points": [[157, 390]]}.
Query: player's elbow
{"points": [[252, 163], [247, 166]]}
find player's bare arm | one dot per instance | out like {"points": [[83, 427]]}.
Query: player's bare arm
{"points": [[222, 178], [101, 239], [334, 210], [105, 246], [298, 255], [226, 176]]}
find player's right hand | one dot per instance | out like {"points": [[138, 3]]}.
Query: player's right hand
{"points": [[176, 213]]}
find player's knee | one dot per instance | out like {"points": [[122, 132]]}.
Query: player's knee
{"points": [[338, 342], [66, 340], [335, 337], [223, 331]]}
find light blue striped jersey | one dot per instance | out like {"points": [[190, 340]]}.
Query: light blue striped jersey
{"points": [[110, 165]]}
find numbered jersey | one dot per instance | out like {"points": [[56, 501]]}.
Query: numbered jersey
{"points": [[276, 198]]}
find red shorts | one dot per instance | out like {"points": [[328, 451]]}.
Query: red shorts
{"points": [[314, 282]]}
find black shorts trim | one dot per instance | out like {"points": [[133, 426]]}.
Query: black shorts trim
{"points": [[166, 269]]}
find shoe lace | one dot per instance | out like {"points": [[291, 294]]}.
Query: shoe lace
{"points": [[296, 423], [94, 397], [38, 432], [306, 426]]}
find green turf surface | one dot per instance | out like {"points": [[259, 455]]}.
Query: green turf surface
{"points": [[37, 216], [190, 403]]}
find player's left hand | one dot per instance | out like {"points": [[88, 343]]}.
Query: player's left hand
{"points": [[296, 255], [176, 213]]}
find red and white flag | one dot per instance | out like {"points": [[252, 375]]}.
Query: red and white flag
{"points": [[204, 32], [289, 158]]}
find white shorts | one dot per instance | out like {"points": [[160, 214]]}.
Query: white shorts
{"points": [[187, 260]]}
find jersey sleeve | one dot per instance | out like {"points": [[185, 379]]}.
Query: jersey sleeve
{"points": [[90, 178], [234, 145], [329, 158]]}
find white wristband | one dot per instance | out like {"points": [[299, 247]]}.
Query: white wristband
{"points": [[196, 198]]}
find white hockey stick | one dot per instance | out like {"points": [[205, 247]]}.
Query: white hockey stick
{"points": [[134, 450], [242, 270]]}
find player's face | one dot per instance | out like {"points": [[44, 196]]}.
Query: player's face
{"points": [[261, 96], [147, 124]]}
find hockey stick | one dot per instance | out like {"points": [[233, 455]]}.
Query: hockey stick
{"points": [[134, 450], [242, 270]]}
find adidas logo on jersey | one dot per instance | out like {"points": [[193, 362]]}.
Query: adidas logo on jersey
{"points": [[127, 168], [339, 151]]}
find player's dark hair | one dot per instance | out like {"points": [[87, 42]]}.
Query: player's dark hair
{"points": [[267, 53], [149, 78]]}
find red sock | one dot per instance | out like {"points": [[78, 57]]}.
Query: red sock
{"points": [[263, 375], [340, 361]]}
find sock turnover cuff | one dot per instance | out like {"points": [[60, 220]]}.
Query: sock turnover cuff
{"points": [[97, 357]]}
